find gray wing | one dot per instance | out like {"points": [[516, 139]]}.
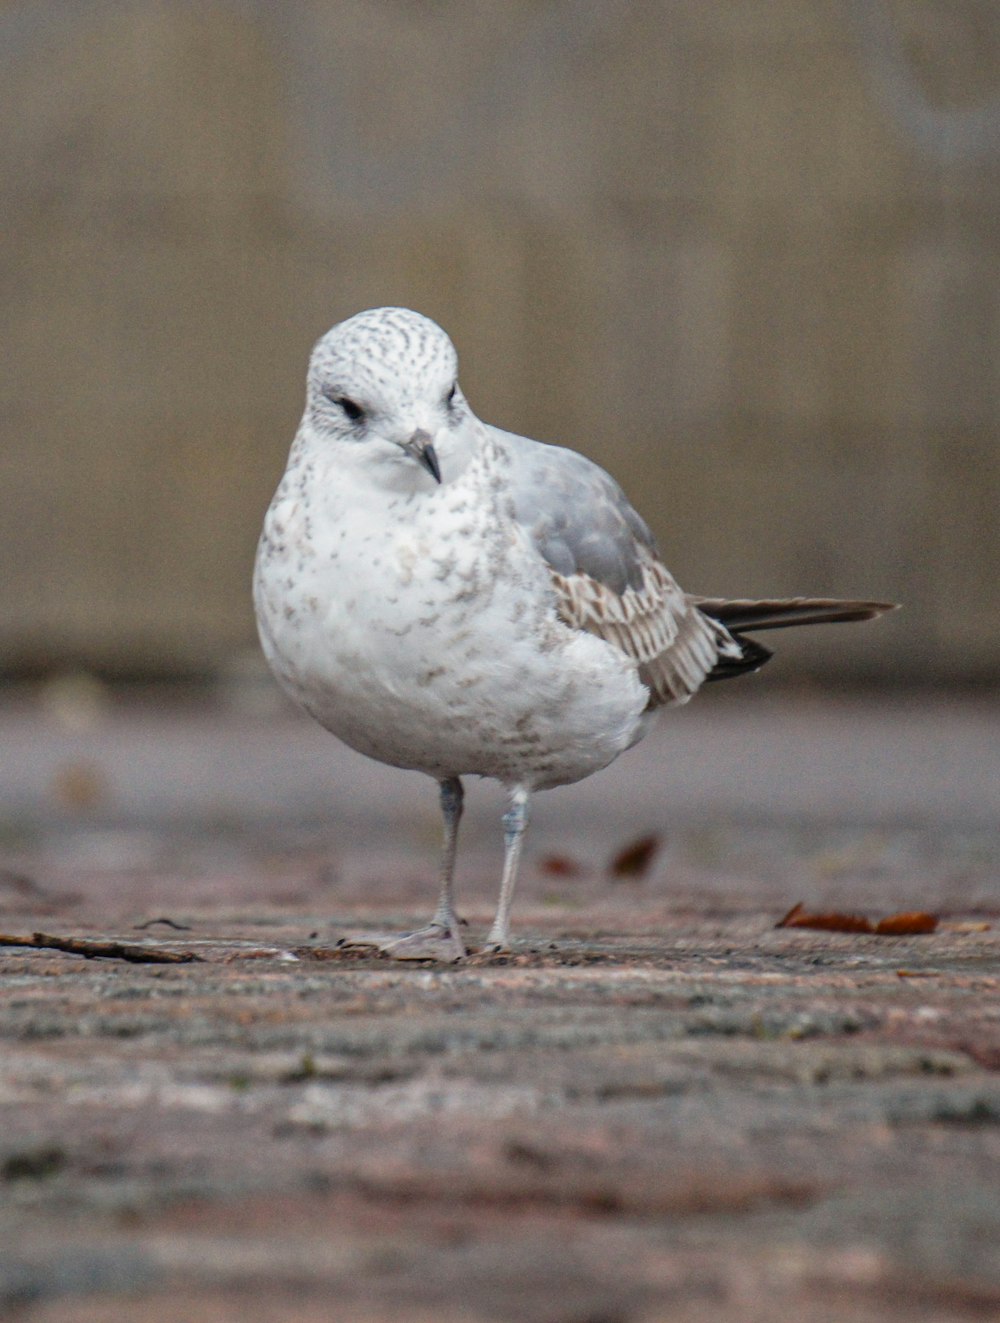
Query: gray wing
{"points": [[606, 571]]}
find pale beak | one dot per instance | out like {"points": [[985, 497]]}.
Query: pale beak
{"points": [[421, 447]]}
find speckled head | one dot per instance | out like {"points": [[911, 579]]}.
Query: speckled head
{"points": [[383, 357], [387, 377]]}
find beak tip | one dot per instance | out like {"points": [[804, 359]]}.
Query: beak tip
{"points": [[422, 449], [429, 460]]}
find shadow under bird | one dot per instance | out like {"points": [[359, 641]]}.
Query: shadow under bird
{"points": [[451, 598]]}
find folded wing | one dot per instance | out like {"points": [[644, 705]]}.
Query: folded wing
{"points": [[609, 579], [607, 574]]}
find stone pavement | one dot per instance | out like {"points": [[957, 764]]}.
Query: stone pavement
{"points": [[660, 1107]]}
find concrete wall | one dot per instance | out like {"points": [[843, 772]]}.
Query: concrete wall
{"points": [[743, 254]]}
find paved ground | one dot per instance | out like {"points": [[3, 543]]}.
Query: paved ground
{"points": [[660, 1107]]}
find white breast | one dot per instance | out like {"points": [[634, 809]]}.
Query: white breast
{"points": [[420, 629]]}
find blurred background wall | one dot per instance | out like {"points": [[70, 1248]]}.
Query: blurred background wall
{"points": [[743, 254]]}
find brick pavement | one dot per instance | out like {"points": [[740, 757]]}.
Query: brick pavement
{"points": [[660, 1107]]}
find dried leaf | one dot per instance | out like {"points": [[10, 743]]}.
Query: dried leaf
{"points": [[967, 926], [907, 924], [788, 920], [634, 860], [833, 922], [559, 865], [896, 925]]}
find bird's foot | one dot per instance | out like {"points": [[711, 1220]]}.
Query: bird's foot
{"points": [[435, 942], [483, 954]]}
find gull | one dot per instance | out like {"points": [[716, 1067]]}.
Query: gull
{"points": [[451, 598]]}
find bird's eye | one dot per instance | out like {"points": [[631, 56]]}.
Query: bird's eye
{"points": [[449, 399], [351, 409]]}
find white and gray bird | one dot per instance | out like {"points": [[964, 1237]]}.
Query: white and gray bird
{"points": [[451, 598]]}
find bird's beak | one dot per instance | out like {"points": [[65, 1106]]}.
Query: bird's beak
{"points": [[422, 449]]}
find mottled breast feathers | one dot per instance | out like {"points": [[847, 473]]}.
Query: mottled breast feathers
{"points": [[606, 571]]}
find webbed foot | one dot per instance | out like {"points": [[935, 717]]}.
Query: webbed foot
{"points": [[434, 942]]}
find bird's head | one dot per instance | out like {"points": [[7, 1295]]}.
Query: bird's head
{"points": [[383, 391]]}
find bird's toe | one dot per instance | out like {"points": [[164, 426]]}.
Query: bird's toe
{"points": [[431, 943]]}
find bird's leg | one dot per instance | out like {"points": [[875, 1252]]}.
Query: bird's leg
{"points": [[452, 797], [514, 822], [441, 939]]}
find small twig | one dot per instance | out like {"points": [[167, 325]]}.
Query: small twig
{"points": [[168, 923], [138, 955]]}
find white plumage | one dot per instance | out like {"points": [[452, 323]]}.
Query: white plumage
{"points": [[451, 598]]}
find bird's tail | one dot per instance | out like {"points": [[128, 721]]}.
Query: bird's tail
{"points": [[775, 613]]}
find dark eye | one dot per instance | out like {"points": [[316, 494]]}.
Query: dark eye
{"points": [[353, 411], [449, 399]]}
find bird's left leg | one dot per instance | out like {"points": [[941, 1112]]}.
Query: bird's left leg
{"points": [[441, 939], [515, 820]]}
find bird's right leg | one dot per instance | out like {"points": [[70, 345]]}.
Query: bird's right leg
{"points": [[442, 938]]}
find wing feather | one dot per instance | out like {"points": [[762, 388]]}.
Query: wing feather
{"points": [[779, 613], [673, 645], [606, 571], [609, 580]]}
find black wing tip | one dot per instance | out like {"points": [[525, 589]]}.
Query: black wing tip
{"points": [[752, 657]]}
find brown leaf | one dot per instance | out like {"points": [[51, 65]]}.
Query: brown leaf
{"points": [[634, 860], [788, 920], [559, 865], [833, 922], [907, 924], [896, 925]]}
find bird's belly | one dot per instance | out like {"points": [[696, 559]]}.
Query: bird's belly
{"points": [[466, 671]]}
